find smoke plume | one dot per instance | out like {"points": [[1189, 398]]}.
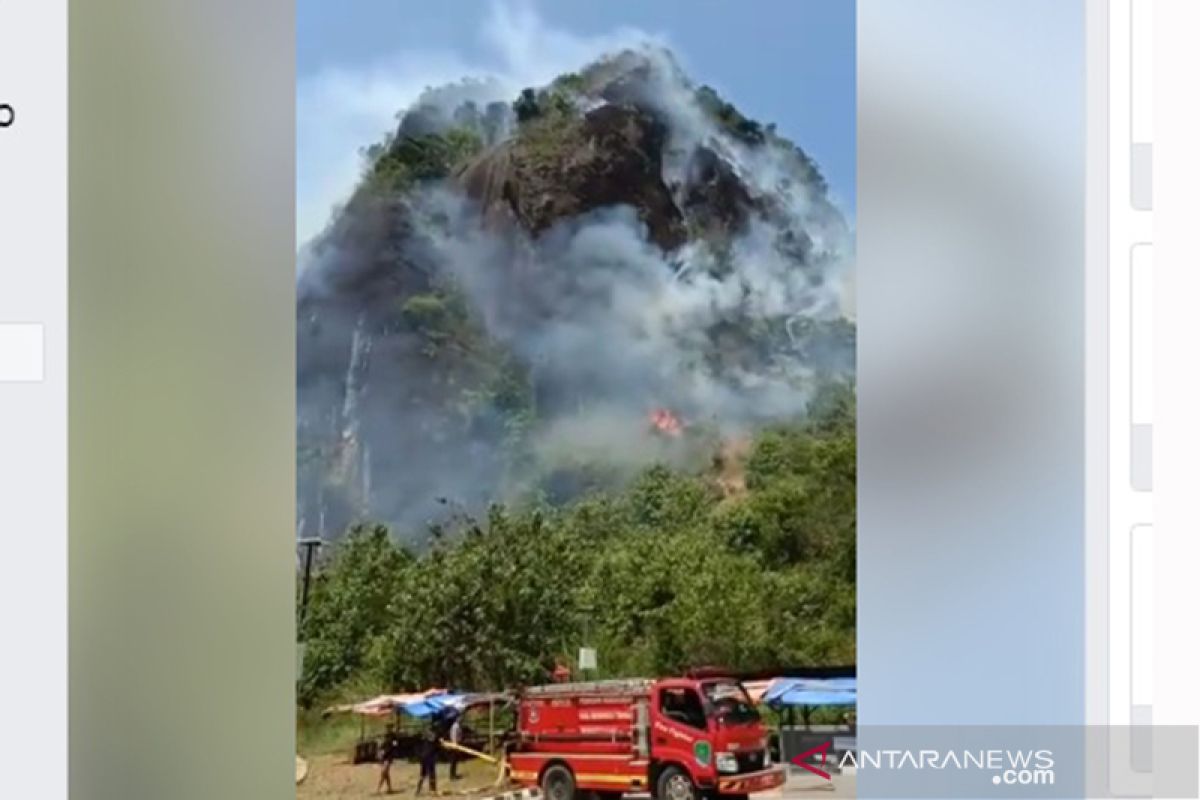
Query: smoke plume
{"points": [[451, 356]]}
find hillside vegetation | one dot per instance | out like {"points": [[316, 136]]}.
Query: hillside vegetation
{"points": [[574, 368], [665, 574]]}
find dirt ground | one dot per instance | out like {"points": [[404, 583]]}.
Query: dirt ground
{"points": [[333, 776]]}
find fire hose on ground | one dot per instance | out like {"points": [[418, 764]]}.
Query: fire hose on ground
{"points": [[500, 762]]}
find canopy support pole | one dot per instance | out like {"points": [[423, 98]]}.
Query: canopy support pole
{"points": [[491, 726]]}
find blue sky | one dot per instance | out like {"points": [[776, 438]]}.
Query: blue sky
{"points": [[791, 62]]}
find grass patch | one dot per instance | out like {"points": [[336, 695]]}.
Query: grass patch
{"points": [[333, 735]]}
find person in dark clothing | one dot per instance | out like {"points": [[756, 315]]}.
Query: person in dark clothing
{"points": [[455, 738], [388, 753], [428, 753]]}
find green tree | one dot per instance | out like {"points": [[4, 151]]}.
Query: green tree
{"points": [[662, 575], [348, 607]]}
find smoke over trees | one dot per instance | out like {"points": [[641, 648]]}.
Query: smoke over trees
{"points": [[577, 363], [670, 572], [517, 283]]}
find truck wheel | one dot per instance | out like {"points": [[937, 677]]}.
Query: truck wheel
{"points": [[674, 784], [558, 783]]}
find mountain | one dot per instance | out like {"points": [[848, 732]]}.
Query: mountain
{"points": [[538, 295]]}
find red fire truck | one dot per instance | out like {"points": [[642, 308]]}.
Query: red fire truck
{"points": [[677, 738]]}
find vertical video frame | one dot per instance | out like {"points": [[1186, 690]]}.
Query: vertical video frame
{"points": [[576, 446]]}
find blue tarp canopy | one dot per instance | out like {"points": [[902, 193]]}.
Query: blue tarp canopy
{"points": [[812, 692], [434, 704]]}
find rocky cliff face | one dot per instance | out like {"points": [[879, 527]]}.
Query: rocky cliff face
{"points": [[516, 284], [609, 156]]}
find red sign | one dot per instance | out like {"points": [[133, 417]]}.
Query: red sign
{"points": [[801, 760]]}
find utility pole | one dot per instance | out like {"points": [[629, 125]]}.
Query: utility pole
{"points": [[310, 546]]}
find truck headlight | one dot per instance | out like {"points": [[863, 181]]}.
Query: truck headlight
{"points": [[727, 762], [767, 757]]}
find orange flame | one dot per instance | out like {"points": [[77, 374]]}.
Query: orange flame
{"points": [[665, 422]]}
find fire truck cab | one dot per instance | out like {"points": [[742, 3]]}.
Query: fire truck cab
{"points": [[677, 738]]}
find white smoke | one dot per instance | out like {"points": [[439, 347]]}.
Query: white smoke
{"points": [[601, 317], [607, 312]]}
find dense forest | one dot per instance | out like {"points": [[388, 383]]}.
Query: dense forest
{"points": [[675, 570]]}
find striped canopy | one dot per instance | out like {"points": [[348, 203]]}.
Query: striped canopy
{"points": [[419, 704], [385, 704]]}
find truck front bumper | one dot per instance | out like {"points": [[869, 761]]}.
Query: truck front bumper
{"points": [[751, 782]]}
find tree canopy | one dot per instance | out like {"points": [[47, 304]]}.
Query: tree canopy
{"points": [[670, 571]]}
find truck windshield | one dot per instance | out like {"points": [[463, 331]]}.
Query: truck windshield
{"points": [[728, 701]]}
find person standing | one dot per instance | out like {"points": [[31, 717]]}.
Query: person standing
{"points": [[428, 755], [389, 753], [455, 739]]}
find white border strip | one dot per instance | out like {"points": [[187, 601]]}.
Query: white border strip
{"points": [[1141, 301], [1142, 71], [33, 422], [22, 352], [1176, 239]]}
